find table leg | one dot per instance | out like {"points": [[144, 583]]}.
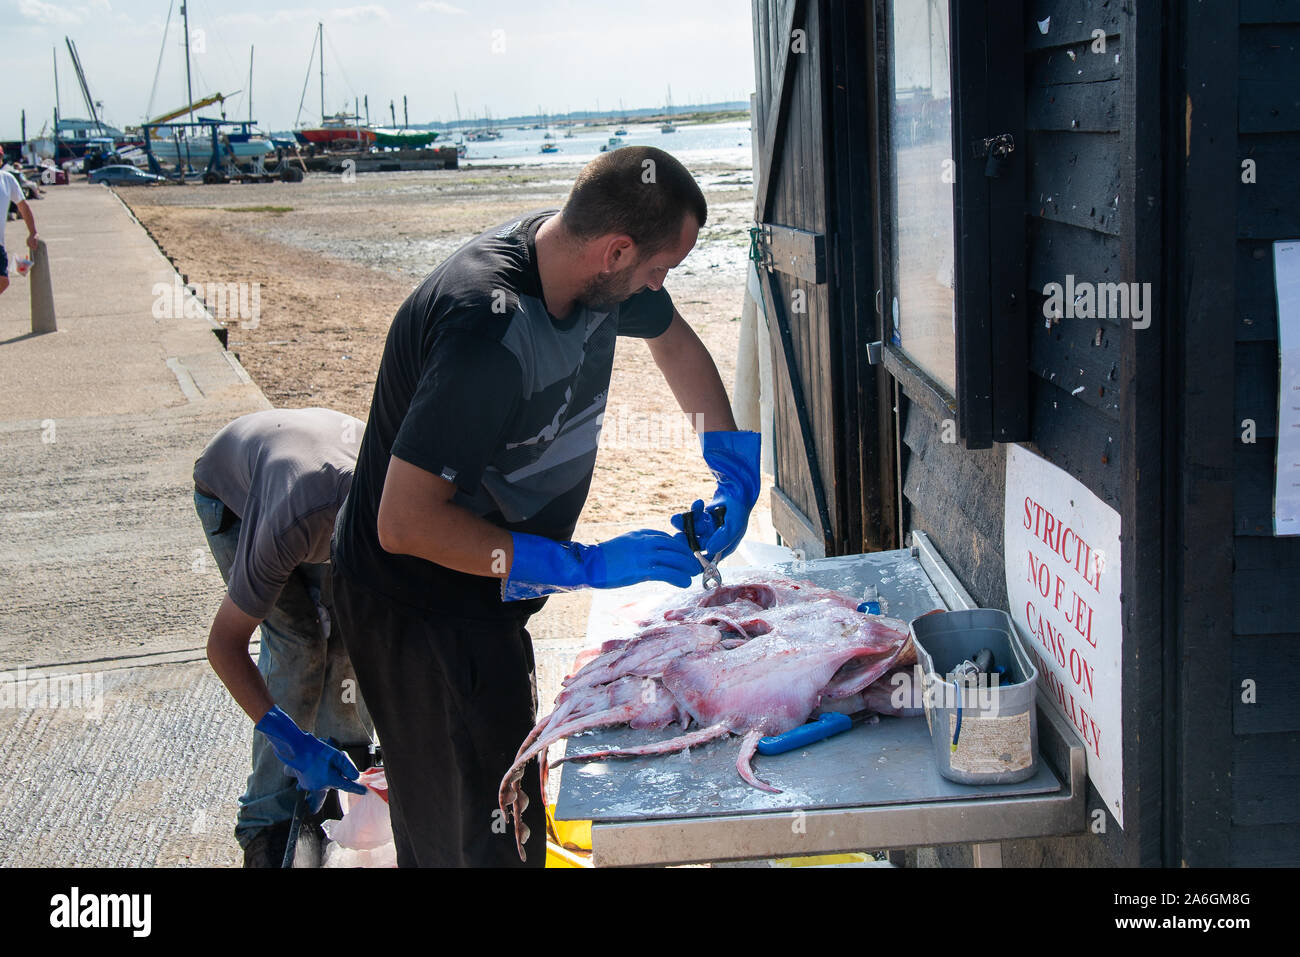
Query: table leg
{"points": [[987, 855]]}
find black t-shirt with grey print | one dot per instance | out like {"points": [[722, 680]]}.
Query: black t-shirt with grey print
{"points": [[481, 385]]}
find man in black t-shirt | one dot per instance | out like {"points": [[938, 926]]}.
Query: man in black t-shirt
{"points": [[474, 467]]}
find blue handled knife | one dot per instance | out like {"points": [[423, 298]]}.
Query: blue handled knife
{"points": [[825, 725]]}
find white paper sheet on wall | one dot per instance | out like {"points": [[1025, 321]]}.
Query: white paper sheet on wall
{"points": [[1286, 495]]}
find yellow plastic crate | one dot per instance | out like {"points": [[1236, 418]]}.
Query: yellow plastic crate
{"points": [[557, 856], [822, 860], [575, 835]]}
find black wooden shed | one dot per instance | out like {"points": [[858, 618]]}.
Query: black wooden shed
{"points": [[1108, 141]]}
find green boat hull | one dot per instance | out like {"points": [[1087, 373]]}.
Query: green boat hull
{"points": [[409, 139]]}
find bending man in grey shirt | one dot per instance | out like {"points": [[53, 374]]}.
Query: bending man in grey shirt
{"points": [[267, 489]]}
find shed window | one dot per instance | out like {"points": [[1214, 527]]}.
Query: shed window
{"points": [[951, 191], [921, 176]]}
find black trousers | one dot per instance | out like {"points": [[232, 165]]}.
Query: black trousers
{"points": [[452, 701]]}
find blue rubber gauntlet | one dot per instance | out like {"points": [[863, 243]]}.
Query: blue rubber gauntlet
{"points": [[734, 459], [315, 764], [542, 566]]}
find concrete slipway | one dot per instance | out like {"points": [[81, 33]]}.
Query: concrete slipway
{"points": [[119, 744], [103, 572]]}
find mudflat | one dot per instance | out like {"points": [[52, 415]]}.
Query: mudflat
{"points": [[333, 258]]}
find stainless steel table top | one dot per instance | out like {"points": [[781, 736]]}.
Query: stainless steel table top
{"points": [[890, 762]]}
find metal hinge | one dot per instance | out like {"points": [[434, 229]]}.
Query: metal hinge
{"points": [[760, 247]]}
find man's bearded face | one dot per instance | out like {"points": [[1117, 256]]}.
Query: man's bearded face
{"points": [[605, 291]]}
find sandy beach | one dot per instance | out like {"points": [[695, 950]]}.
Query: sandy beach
{"points": [[333, 259]]}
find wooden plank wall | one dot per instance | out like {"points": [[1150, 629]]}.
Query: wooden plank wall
{"points": [[1074, 154], [1072, 101], [801, 202], [1073, 157], [1266, 624]]}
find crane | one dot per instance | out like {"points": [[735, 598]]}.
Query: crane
{"points": [[196, 105]]}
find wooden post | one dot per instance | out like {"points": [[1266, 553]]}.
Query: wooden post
{"points": [[43, 319]]}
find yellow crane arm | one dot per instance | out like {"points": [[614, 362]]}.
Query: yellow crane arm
{"points": [[196, 105]]}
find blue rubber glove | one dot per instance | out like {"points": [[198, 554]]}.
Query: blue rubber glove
{"points": [[705, 525], [542, 566], [315, 764], [733, 458]]}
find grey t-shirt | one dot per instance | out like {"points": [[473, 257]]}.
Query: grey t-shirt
{"points": [[285, 473]]}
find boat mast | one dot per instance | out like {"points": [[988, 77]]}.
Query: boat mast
{"points": [[320, 35], [58, 106], [406, 117], [85, 87], [189, 88], [306, 82], [250, 84], [392, 111]]}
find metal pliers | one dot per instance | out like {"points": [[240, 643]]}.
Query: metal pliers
{"points": [[712, 577]]}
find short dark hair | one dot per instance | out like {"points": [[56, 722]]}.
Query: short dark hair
{"points": [[639, 191]]}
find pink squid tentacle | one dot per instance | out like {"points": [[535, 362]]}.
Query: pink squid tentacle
{"points": [[522, 831], [679, 743], [554, 719], [508, 795], [748, 747]]}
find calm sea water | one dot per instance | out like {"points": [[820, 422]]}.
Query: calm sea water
{"points": [[728, 143]]}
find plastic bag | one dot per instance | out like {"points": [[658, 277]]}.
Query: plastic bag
{"points": [[364, 837]]}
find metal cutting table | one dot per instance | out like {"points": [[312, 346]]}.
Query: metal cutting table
{"points": [[872, 787]]}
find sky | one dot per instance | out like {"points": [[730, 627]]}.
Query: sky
{"points": [[504, 56]]}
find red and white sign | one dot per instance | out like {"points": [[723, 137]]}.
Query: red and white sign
{"points": [[1062, 553]]}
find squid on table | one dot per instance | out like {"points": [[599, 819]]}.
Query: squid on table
{"points": [[751, 659]]}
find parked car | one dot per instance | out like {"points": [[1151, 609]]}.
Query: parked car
{"points": [[123, 176]]}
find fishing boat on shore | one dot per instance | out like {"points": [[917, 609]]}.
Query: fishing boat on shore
{"points": [[182, 137], [403, 139], [341, 131], [173, 145], [74, 137]]}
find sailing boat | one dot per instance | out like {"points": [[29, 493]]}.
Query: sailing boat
{"points": [[191, 144], [402, 137], [247, 143], [339, 131], [668, 126]]}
